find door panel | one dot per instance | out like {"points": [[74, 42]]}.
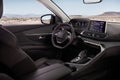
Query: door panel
{"points": [[35, 40]]}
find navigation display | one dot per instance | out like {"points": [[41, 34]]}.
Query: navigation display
{"points": [[97, 26]]}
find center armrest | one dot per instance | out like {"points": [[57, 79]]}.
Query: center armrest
{"points": [[52, 72]]}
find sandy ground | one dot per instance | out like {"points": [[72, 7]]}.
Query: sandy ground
{"points": [[11, 21]]}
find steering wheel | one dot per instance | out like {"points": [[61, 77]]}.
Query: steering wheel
{"points": [[63, 35]]}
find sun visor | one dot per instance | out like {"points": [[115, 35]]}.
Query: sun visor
{"points": [[1, 8]]}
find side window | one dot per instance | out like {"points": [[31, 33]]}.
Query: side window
{"points": [[22, 12]]}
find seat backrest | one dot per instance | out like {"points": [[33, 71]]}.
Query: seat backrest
{"points": [[12, 56], [5, 77]]}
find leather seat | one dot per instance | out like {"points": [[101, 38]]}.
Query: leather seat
{"points": [[5, 77], [42, 62], [15, 63], [20, 64], [52, 72]]}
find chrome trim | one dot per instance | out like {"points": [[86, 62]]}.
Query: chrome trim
{"points": [[82, 32], [96, 44], [106, 27], [41, 37]]}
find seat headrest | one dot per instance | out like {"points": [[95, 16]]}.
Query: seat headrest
{"points": [[7, 37], [1, 8]]}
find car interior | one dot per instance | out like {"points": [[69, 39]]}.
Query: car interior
{"points": [[60, 51]]}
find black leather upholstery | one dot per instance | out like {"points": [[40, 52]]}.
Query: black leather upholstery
{"points": [[12, 56], [21, 64], [42, 62], [52, 72], [5, 77]]}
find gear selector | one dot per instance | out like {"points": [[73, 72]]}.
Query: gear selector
{"points": [[81, 58]]}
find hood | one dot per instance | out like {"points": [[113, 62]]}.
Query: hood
{"points": [[1, 8]]}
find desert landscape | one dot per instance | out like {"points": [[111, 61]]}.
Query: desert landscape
{"points": [[16, 19], [102, 18], [11, 21]]}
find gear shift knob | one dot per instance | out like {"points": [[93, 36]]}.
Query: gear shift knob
{"points": [[81, 56]]}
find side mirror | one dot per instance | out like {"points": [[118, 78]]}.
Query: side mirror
{"points": [[91, 1], [48, 19]]}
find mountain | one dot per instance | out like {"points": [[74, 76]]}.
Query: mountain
{"points": [[21, 16], [110, 14], [75, 16]]}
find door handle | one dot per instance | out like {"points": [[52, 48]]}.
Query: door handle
{"points": [[41, 37]]}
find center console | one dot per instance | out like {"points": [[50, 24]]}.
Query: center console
{"points": [[85, 56]]}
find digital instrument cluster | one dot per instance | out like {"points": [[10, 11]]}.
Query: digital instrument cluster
{"points": [[80, 23]]}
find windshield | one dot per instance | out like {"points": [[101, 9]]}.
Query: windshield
{"points": [[107, 10], [22, 12]]}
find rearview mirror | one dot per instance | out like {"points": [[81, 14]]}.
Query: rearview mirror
{"points": [[91, 1]]}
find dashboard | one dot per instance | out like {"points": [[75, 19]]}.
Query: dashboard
{"points": [[98, 30]]}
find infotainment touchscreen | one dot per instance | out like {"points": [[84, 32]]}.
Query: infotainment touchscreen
{"points": [[97, 26]]}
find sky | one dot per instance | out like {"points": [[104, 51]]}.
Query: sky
{"points": [[71, 7], [77, 7], [24, 7]]}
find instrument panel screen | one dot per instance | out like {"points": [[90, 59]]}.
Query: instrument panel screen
{"points": [[97, 26]]}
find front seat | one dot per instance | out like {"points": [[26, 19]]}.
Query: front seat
{"points": [[19, 65]]}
